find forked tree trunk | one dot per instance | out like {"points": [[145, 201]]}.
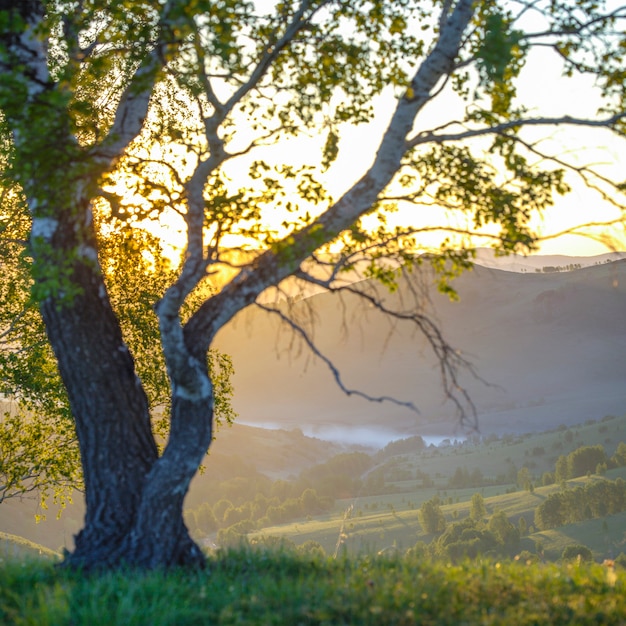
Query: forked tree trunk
{"points": [[159, 537], [133, 498]]}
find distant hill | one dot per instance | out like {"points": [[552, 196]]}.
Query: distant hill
{"points": [[15, 546], [551, 345], [539, 262]]}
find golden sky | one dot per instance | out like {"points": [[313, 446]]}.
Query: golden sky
{"points": [[542, 89]]}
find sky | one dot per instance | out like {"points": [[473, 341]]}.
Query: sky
{"points": [[544, 90]]}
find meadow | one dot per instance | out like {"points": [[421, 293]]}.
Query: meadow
{"points": [[259, 586], [389, 520]]}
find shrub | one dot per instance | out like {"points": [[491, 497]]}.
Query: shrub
{"points": [[577, 552], [431, 517]]}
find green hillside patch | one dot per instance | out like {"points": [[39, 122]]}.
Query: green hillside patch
{"points": [[282, 587], [604, 537]]}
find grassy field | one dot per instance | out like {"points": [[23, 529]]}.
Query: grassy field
{"points": [[369, 532], [373, 523], [283, 587]]}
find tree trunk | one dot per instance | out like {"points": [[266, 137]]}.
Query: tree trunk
{"points": [[133, 499], [159, 537]]}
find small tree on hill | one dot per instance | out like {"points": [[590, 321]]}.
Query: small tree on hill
{"points": [[431, 517], [577, 552], [585, 460], [505, 532], [477, 507], [524, 479]]}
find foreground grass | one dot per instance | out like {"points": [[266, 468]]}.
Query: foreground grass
{"points": [[280, 587]]}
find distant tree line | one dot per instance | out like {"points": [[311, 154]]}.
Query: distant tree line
{"points": [[401, 446], [593, 500], [463, 478], [548, 269]]}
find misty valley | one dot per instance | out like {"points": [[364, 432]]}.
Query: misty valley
{"points": [[540, 493], [536, 495]]}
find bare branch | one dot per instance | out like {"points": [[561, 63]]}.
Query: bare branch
{"points": [[445, 11], [433, 137], [586, 173], [618, 13], [333, 369], [449, 360], [583, 230]]}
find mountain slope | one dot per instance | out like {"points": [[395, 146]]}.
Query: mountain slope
{"points": [[552, 347]]}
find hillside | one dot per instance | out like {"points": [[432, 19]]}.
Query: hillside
{"points": [[238, 451], [486, 257], [14, 546], [551, 347], [384, 514]]}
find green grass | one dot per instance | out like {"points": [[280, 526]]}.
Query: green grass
{"points": [[281, 587], [604, 537]]}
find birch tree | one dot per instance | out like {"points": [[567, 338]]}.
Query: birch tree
{"points": [[120, 112]]}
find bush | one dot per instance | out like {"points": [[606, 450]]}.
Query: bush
{"points": [[577, 552], [419, 551], [312, 548], [585, 460], [431, 517], [527, 557]]}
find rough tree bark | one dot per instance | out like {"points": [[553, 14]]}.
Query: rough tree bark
{"points": [[134, 499]]}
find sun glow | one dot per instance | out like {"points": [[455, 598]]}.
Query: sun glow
{"points": [[542, 88]]}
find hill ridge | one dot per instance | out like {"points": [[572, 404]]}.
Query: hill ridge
{"points": [[553, 345]]}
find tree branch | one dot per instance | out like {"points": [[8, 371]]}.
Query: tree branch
{"points": [[273, 50], [433, 137], [285, 258], [449, 360], [133, 106], [585, 173], [330, 365]]}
